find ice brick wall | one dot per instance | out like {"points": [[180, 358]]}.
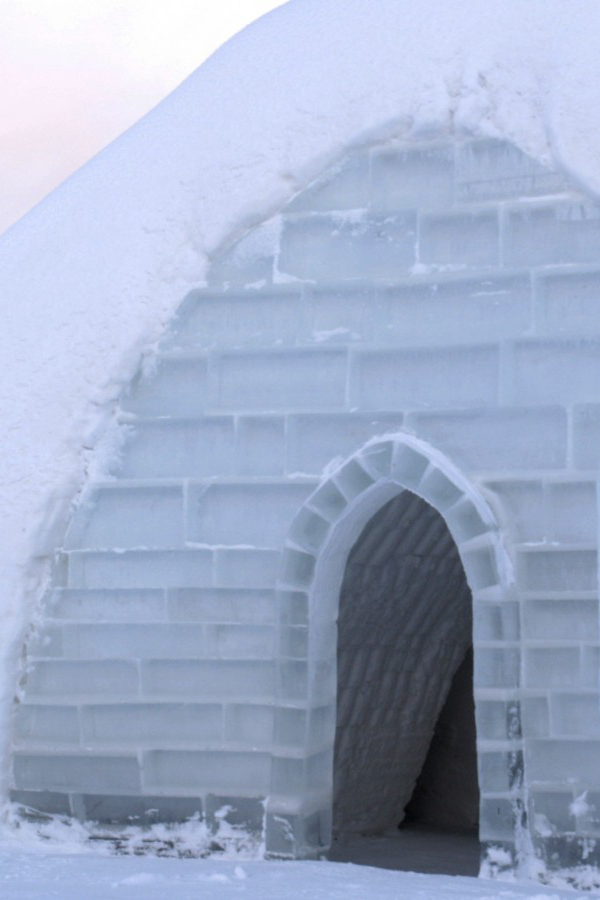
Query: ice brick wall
{"points": [[447, 290]]}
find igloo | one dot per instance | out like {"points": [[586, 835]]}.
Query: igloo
{"points": [[362, 457]]}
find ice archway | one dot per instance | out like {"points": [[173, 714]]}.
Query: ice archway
{"points": [[314, 561]]}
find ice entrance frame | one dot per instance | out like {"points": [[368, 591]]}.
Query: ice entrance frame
{"points": [[314, 561]]}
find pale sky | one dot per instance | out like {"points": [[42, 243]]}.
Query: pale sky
{"points": [[76, 73]]}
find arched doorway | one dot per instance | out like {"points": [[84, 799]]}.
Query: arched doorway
{"points": [[389, 476], [405, 734]]}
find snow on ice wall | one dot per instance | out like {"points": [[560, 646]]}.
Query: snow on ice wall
{"points": [[447, 291]]}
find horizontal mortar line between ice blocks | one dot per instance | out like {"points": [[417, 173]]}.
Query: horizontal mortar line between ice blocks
{"points": [[498, 693], [286, 410], [477, 272], [182, 791], [60, 621], [545, 692], [196, 545], [78, 752], [558, 643], [468, 414], [200, 658], [564, 478], [503, 795], [565, 268], [282, 352], [528, 596], [197, 703], [98, 746], [124, 484], [131, 419], [220, 789], [230, 699], [568, 196], [497, 645], [173, 699], [520, 201], [216, 292], [208, 480], [391, 344], [283, 585], [217, 746], [542, 271], [122, 792], [255, 481], [290, 805], [122, 551], [484, 475], [390, 339], [183, 547], [305, 751], [503, 746], [191, 355], [565, 739], [554, 788], [84, 699], [554, 547]]}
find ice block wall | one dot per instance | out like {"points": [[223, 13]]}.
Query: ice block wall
{"points": [[446, 293]]}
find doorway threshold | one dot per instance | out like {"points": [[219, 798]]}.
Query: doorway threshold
{"points": [[412, 848]]}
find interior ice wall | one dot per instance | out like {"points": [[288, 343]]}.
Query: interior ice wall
{"points": [[447, 792], [404, 626]]}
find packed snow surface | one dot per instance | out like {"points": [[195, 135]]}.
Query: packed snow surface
{"points": [[91, 276], [24, 876], [56, 862]]}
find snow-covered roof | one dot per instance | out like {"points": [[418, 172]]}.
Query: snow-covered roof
{"points": [[91, 276]]}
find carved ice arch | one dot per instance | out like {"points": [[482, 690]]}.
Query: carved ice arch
{"points": [[313, 564]]}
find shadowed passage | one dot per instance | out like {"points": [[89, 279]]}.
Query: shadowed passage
{"points": [[405, 772]]}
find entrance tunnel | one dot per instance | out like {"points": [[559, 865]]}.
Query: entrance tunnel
{"points": [[405, 751]]}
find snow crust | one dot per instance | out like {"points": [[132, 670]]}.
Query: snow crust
{"points": [[89, 278], [30, 870]]}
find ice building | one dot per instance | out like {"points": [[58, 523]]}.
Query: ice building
{"points": [[351, 490]]}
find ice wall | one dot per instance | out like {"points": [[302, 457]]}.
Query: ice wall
{"points": [[444, 293], [447, 792]]}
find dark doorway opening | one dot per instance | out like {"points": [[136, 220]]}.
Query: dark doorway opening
{"points": [[405, 737]]}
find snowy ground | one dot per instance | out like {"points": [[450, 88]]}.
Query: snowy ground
{"points": [[35, 876], [63, 867]]}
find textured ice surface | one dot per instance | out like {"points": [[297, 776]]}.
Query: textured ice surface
{"points": [[403, 629]]}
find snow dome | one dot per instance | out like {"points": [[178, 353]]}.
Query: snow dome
{"points": [[302, 537]]}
